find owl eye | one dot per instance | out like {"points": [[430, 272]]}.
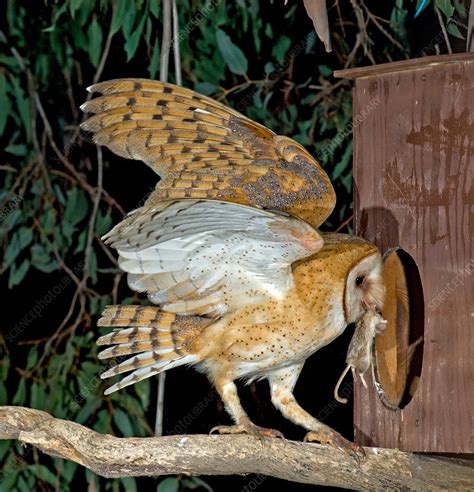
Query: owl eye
{"points": [[360, 281]]}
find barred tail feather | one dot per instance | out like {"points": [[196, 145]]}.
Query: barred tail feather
{"points": [[157, 340], [148, 371]]}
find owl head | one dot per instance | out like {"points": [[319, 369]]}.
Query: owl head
{"points": [[364, 289], [346, 272]]}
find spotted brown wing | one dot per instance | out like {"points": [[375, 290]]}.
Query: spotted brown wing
{"points": [[203, 149]]}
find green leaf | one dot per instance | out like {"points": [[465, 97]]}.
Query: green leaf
{"points": [[89, 368], [10, 218], [205, 88], [269, 30], [460, 8], [4, 366], [132, 41], [78, 35], [4, 102], [232, 54], [102, 423], [454, 30], [310, 42], [280, 48], [220, 14], [81, 242], [195, 482], [3, 401], [19, 150], [20, 240], [130, 484], [9, 477], [169, 484], [103, 223], [68, 469], [23, 105], [143, 392], [93, 266], [347, 181], [32, 358], [92, 481], [20, 395], [154, 60], [38, 397], [4, 448], [119, 13], [343, 163], [148, 30], [43, 474], [128, 22], [291, 12], [94, 47], [155, 9], [446, 7], [17, 274], [42, 259], [122, 421], [97, 304], [87, 8], [54, 366], [73, 6], [269, 68], [38, 188], [25, 481], [92, 403], [76, 206], [324, 70], [398, 20], [48, 221], [59, 194]]}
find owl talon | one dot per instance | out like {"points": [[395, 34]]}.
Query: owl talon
{"points": [[248, 427], [339, 442]]}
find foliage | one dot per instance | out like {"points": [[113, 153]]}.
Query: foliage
{"points": [[54, 203]]}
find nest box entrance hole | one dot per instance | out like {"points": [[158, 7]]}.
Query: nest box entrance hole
{"points": [[399, 349]]}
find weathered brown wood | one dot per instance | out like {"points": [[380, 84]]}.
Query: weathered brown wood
{"points": [[413, 177], [225, 455], [399, 66]]}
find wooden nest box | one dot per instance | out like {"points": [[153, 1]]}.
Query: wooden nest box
{"points": [[413, 129]]}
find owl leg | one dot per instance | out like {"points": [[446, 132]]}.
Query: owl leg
{"points": [[228, 393], [282, 383]]}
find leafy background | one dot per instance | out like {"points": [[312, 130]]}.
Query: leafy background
{"points": [[59, 194]]}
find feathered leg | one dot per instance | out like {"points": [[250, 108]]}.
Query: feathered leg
{"points": [[282, 383], [228, 392]]}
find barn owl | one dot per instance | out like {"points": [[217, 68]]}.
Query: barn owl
{"points": [[228, 247]]}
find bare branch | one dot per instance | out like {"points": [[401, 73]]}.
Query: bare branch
{"points": [[164, 70], [176, 48], [166, 40], [375, 20], [227, 455], [443, 28], [92, 220]]}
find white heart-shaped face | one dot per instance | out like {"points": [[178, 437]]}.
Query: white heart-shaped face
{"points": [[364, 288]]}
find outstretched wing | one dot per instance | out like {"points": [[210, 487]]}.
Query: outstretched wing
{"points": [[207, 257], [203, 149]]}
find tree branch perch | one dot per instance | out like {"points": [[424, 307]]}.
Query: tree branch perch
{"points": [[227, 455]]}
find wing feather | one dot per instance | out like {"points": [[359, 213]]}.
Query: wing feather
{"points": [[203, 149], [205, 257]]}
